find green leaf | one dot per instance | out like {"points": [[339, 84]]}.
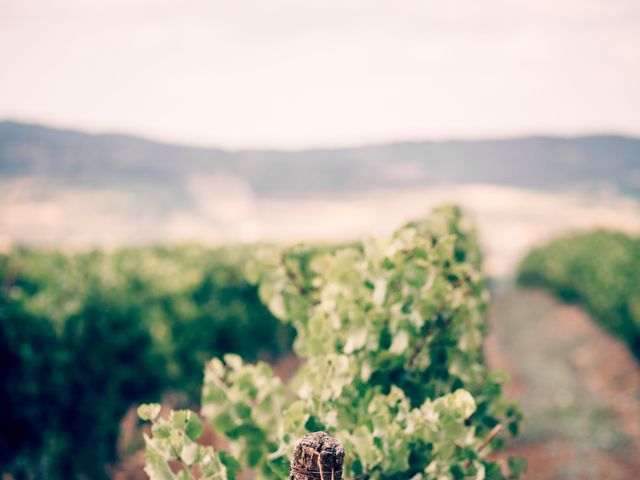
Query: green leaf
{"points": [[156, 465], [149, 411], [517, 466], [194, 428]]}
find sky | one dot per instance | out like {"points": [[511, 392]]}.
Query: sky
{"points": [[300, 73]]}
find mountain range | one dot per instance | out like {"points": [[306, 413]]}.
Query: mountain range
{"points": [[146, 167], [77, 190]]}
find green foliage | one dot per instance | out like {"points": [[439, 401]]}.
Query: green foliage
{"points": [[599, 269], [83, 337], [175, 438], [391, 334], [25, 390]]}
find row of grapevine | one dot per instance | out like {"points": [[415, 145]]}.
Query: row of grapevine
{"points": [[391, 334], [85, 336], [599, 269]]}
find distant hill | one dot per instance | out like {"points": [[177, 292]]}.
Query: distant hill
{"points": [[71, 189], [159, 170]]}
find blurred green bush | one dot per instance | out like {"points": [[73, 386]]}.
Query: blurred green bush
{"points": [[85, 336], [600, 269]]}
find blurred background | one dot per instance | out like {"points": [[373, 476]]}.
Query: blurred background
{"points": [[147, 146]]}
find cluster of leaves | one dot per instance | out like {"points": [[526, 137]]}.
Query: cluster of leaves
{"points": [[600, 269], [391, 334], [83, 337]]}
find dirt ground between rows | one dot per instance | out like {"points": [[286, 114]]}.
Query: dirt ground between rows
{"points": [[579, 388]]}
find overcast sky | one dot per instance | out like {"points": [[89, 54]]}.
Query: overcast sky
{"points": [[293, 73]]}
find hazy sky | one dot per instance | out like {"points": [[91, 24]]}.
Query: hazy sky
{"points": [[294, 73]]}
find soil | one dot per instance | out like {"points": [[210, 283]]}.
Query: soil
{"points": [[578, 387]]}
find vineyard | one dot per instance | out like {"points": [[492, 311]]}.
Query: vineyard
{"points": [[337, 240], [390, 334], [86, 336], [600, 270]]}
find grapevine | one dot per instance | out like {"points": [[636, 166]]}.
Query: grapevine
{"points": [[390, 331]]}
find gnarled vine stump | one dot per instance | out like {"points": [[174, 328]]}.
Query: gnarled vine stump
{"points": [[317, 456]]}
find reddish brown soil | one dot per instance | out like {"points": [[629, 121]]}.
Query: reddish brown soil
{"points": [[549, 349]]}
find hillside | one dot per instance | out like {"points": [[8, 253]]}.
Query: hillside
{"points": [[65, 188], [130, 163]]}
